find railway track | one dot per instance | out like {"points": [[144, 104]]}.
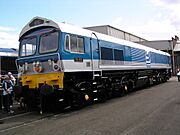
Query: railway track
{"points": [[15, 121], [23, 119]]}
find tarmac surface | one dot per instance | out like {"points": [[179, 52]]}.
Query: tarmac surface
{"points": [[150, 111]]}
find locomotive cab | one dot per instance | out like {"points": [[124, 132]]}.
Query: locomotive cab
{"points": [[39, 63]]}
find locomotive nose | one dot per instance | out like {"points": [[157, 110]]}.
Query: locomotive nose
{"points": [[39, 80]]}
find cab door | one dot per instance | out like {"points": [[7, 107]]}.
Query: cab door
{"points": [[95, 54]]}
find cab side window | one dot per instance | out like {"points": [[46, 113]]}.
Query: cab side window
{"points": [[80, 44], [74, 44]]}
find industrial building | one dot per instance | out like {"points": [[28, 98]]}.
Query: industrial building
{"points": [[8, 58], [115, 32]]}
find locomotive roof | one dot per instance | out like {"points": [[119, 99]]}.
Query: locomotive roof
{"points": [[64, 27], [84, 32]]}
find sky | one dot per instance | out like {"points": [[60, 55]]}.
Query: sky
{"points": [[149, 19]]}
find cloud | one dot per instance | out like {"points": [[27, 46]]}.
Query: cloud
{"points": [[165, 2], [7, 38], [153, 29], [162, 26], [6, 29], [117, 21], [171, 8]]}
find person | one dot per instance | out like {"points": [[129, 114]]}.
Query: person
{"points": [[12, 78], [7, 86], [1, 97], [178, 75], [1, 93]]}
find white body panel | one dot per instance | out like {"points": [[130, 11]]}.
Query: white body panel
{"points": [[71, 66]]}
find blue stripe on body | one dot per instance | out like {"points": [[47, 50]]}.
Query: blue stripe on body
{"points": [[130, 53], [138, 55], [159, 58], [41, 58]]}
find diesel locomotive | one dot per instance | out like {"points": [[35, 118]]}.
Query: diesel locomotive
{"points": [[64, 65]]}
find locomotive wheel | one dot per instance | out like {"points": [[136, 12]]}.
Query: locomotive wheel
{"points": [[31, 101], [124, 90], [23, 104], [131, 86], [102, 96], [76, 99], [84, 89], [46, 103]]}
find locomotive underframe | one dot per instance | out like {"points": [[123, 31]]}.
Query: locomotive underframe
{"points": [[80, 89]]}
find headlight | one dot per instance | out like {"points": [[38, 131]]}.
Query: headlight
{"points": [[56, 65], [37, 67], [21, 68]]}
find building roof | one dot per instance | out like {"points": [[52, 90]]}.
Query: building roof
{"points": [[8, 52], [158, 44], [108, 28], [177, 47]]}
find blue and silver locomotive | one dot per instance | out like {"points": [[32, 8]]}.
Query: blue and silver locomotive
{"points": [[68, 65]]}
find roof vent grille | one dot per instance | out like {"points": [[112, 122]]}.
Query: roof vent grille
{"points": [[36, 22]]}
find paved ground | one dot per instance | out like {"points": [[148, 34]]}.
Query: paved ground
{"points": [[151, 111]]}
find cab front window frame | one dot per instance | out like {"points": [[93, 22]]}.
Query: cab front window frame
{"points": [[49, 42], [28, 46]]}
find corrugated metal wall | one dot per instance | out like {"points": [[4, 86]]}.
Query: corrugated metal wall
{"points": [[112, 31], [116, 33], [100, 29]]}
